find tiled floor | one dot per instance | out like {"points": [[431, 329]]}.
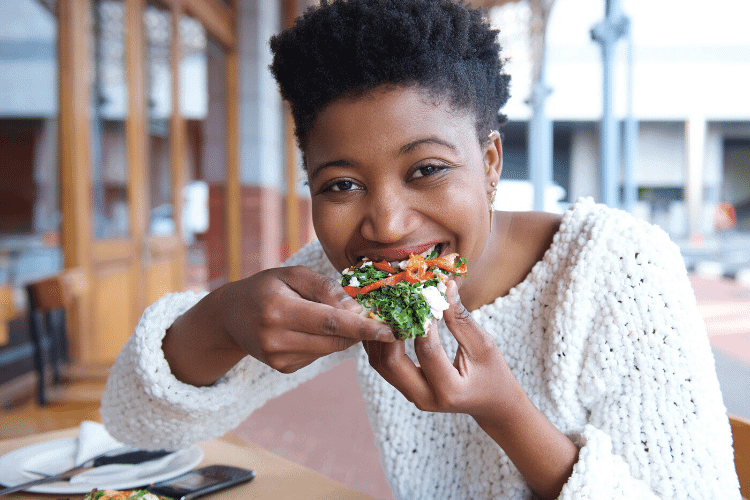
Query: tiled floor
{"points": [[323, 425], [725, 307]]}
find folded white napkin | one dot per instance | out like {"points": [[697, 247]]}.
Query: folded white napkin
{"points": [[93, 440]]}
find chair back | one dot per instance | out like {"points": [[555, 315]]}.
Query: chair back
{"points": [[49, 300], [47, 294], [741, 437], [7, 312], [57, 292]]}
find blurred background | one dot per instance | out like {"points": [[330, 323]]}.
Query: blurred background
{"points": [[144, 146]]}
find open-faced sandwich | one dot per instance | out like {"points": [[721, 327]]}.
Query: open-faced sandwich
{"points": [[407, 294], [122, 495]]}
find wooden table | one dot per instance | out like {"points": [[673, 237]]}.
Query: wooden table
{"points": [[275, 476]]}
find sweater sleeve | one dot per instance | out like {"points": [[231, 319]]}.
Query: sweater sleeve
{"points": [[656, 423], [144, 405]]}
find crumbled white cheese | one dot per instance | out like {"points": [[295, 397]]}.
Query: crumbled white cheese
{"points": [[354, 282], [435, 300]]}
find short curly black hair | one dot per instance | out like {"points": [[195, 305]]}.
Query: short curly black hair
{"points": [[348, 47]]}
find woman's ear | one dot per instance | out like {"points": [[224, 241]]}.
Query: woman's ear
{"points": [[493, 159]]}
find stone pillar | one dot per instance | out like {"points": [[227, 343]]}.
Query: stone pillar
{"points": [[695, 139]]}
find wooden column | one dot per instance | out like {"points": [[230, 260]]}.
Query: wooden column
{"points": [[291, 201], [233, 209], [75, 161], [178, 141], [136, 139]]}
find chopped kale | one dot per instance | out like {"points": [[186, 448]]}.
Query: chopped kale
{"points": [[402, 306], [365, 275]]}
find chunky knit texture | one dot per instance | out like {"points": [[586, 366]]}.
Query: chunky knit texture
{"points": [[603, 335]]}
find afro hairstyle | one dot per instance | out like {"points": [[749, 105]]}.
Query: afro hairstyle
{"points": [[348, 47]]}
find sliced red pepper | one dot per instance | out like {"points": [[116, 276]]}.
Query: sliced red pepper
{"points": [[448, 263], [390, 280], [384, 266], [416, 271]]}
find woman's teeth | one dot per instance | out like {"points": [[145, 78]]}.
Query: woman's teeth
{"points": [[436, 248]]}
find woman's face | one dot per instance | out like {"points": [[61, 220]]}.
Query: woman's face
{"points": [[393, 172]]}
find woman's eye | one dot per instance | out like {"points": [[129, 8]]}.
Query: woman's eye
{"points": [[340, 186], [426, 171]]}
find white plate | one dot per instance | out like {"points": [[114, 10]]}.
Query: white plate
{"points": [[59, 455]]}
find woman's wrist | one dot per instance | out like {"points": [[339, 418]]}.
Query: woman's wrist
{"points": [[544, 455], [197, 347]]}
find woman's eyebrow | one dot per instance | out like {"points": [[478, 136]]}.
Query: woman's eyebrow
{"points": [[406, 148], [335, 163]]}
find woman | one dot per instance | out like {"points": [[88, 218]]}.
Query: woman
{"points": [[572, 365]]}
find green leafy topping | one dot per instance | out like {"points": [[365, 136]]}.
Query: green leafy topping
{"points": [[433, 254], [96, 494], [460, 261], [365, 275], [402, 306]]}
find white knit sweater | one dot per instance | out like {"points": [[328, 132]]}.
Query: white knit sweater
{"points": [[603, 335]]}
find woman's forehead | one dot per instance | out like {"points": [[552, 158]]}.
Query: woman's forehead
{"points": [[387, 114]]}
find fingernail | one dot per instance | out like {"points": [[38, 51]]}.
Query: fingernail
{"points": [[352, 305], [452, 292], [386, 335]]}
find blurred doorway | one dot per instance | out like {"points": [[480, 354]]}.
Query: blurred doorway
{"points": [[30, 205], [157, 91], [99, 178], [736, 184]]}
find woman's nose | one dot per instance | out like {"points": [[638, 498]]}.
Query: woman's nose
{"points": [[389, 219]]}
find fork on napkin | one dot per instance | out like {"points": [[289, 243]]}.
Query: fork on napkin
{"points": [[93, 441]]}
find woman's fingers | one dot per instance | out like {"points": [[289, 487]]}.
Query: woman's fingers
{"points": [[317, 288], [471, 338], [289, 351], [436, 366], [392, 363], [302, 315]]}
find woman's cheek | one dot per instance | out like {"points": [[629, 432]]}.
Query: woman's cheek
{"points": [[468, 218], [333, 228]]}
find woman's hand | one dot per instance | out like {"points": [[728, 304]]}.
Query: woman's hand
{"points": [[476, 382], [479, 382], [285, 317]]}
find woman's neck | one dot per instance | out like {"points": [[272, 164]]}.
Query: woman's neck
{"points": [[518, 241]]}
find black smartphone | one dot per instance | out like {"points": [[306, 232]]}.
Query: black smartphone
{"points": [[203, 481]]}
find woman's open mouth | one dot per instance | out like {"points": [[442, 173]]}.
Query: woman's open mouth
{"points": [[395, 257]]}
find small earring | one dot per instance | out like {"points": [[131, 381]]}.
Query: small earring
{"points": [[491, 200]]}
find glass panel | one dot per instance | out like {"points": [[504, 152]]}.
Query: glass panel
{"points": [[157, 25], [203, 105], [109, 176], [29, 174]]}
